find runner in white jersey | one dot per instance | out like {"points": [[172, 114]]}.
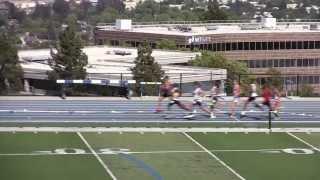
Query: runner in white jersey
{"points": [[236, 98], [198, 95], [276, 102], [215, 91], [251, 98]]}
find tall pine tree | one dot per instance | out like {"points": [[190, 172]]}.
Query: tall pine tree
{"points": [[214, 12], [69, 61], [146, 69], [10, 70]]}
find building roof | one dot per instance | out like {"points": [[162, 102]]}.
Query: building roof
{"points": [[185, 29], [103, 60]]}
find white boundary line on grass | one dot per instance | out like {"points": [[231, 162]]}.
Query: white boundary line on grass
{"points": [[155, 129], [215, 157], [97, 156], [303, 141], [49, 153]]}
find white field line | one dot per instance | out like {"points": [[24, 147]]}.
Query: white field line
{"points": [[152, 129], [140, 152], [303, 141], [98, 157], [215, 157]]}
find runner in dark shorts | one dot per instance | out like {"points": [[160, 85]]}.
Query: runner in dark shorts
{"points": [[174, 99], [251, 99], [198, 95], [165, 92]]}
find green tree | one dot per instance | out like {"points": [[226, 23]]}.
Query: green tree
{"points": [[109, 15], [274, 78], [69, 61], [42, 11], [167, 44], [214, 12], [234, 68], [115, 4], [10, 70], [3, 21], [61, 8], [146, 69]]}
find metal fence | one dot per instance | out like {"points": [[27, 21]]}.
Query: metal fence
{"points": [[289, 84]]}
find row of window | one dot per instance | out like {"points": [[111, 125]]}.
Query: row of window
{"points": [[294, 80], [271, 63], [234, 46]]}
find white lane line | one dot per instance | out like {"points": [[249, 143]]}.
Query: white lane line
{"points": [[97, 156], [140, 121], [215, 157], [303, 141]]}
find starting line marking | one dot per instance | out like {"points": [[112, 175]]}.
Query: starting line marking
{"points": [[97, 156], [215, 157]]}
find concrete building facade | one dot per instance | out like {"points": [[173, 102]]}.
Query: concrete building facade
{"points": [[291, 47]]}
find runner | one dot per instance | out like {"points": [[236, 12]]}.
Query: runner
{"points": [[125, 90], [174, 99], [165, 92], [251, 99], [266, 94], [215, 91], [276, 102], [198, 95], [236, 98]]}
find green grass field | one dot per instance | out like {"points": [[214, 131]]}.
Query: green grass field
{"points": [[148, 156]]}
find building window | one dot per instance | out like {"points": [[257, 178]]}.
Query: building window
{"points": [[305, 62], [258, 63], [234, 46], [214, 46], [305, 44], [218, 46], [311, 45], [282, 63], [270, 63], [311, 79], [300, 45], [293, 45], [252, 46], [246, 46], [288, 45], [311, 62], [293, 62], [276, 45], [316, 79], [258, 45], [276, 63], [251, 63], [264, 46], [228, 46], [270, 46], [317, 44], [299, 62], [288, 63], [240, 46], [282, 45]]}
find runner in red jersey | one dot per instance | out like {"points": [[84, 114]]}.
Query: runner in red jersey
{"points": [[267, 95]]}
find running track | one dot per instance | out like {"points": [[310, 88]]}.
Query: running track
{"points": [[135, 111]]}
